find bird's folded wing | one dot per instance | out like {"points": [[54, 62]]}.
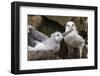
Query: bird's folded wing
{"points": [[36, 35]]}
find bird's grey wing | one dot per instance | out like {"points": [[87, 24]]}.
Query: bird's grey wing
{"points": [[80, 38], [31, 41], [74, 40], [77, 40], [36, 35]]}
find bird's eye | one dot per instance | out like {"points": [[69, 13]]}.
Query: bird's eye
{"points": [[58, 35], [72, 25], [68, 25]]}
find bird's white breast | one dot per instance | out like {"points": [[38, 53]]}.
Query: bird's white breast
{"points": [[73, 40]]}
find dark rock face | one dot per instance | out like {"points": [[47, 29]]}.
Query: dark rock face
{"points": [[51, 24], [84, 34], [41, 55]]}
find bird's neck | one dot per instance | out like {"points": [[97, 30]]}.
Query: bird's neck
{"points": [[75, 31]]}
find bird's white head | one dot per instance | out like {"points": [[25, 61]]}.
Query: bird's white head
{"points": [[57, 36], [70, 25]]}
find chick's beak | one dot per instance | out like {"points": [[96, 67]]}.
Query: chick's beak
{"points": [[63, 34]]}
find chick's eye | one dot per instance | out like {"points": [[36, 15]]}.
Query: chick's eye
{"points": [[58, 35]]}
